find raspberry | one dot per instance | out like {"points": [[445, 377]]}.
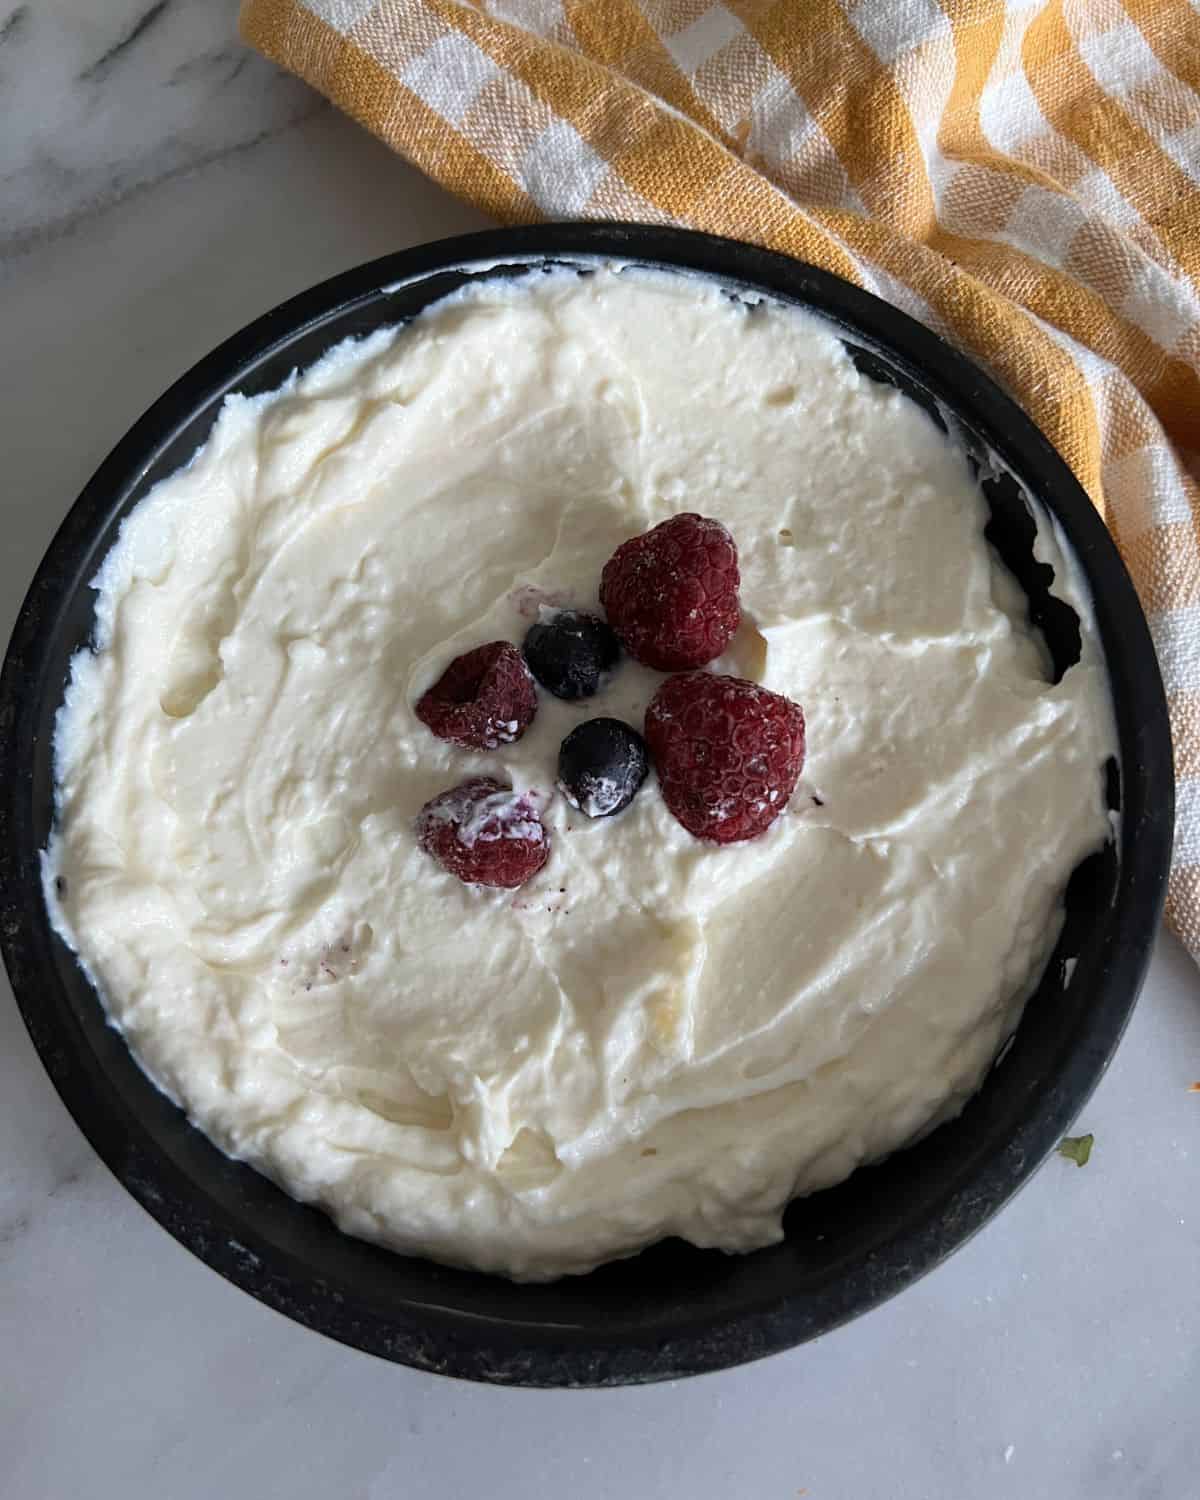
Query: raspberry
{"points": [[671, 594], [483, 699], [484, 833], [728, 753]]}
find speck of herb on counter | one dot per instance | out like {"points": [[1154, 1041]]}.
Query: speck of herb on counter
{"points": [[1077, 1148]]}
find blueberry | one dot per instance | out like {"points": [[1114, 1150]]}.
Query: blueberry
{"points": [[570, 652], [601, 764]]}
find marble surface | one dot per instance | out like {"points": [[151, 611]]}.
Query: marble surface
{"points": [[158, 188]]}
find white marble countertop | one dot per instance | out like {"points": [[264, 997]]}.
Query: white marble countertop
{"points": [[158, 188]]}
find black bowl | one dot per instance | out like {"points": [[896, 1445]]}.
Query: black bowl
{"points": [[672, 1310]]}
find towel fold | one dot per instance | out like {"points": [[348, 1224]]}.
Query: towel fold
{"points": [[1022, 178]]}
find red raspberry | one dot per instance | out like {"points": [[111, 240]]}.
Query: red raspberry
{"points": [[728, 753], [671, 594], [483, 699], [484, 833]]}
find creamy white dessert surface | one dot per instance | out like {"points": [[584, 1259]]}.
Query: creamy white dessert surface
{"points": [[655, 1035]]}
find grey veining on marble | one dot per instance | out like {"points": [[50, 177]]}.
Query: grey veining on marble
{"points": [[100, 99], [1056, 1357]]}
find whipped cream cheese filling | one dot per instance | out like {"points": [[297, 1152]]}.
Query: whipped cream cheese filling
{"points": [[655, 1035]]}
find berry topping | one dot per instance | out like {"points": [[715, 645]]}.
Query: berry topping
{"points": [[601, 765], [485, 833], [671, 594], [483, 699], [569, 652], [728, 753]]}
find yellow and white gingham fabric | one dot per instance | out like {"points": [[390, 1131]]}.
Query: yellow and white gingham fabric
{"points": [[1022, 177]]}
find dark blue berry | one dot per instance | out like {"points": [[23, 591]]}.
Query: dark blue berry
{"points": [[570, 652], [601, 764]]}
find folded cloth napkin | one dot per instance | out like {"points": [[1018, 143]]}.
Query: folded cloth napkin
{"points": [[1024, 178]]}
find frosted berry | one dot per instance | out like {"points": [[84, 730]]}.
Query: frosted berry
{"points": [[601, 765], [484, 833], [728, 753], [671, 594], [483, 699], [570, 652]]}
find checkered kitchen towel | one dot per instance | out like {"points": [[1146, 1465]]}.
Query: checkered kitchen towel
{"points": [[1022, 177]]}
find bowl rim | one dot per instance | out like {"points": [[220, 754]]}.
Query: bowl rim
{"points": [[525, 1354]]}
